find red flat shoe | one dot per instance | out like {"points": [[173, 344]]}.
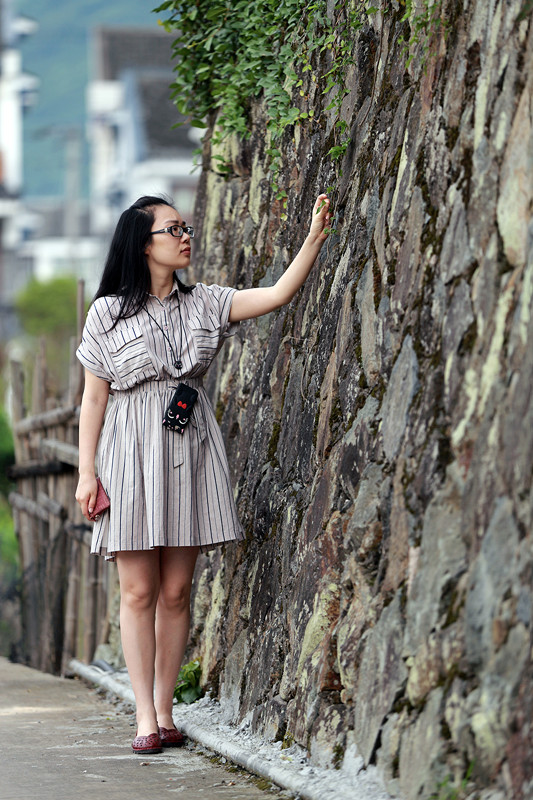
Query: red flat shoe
{"points": [[145, 745], [171, 737]]}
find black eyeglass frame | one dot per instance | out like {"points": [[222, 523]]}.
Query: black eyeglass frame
{"points": [[182, 229]]}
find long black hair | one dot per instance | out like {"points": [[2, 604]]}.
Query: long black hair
{"points": [[126, 273]]}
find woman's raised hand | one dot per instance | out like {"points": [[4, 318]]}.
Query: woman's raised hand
{"points": [[321, 218]]}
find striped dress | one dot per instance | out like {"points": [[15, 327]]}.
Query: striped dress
{"points": [[165, 488]]}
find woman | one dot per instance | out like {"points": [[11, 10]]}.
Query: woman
{"points": [[170, 494]]}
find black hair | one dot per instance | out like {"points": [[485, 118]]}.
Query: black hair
{"points": [[126, 273]]}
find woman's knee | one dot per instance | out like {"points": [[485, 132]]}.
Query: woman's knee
{"points": [[138, 597], [139, 579], [176, 597]]}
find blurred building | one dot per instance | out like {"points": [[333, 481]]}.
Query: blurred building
{"points": [[133, 150], [60, 242], [18, 90], [135, 147]]}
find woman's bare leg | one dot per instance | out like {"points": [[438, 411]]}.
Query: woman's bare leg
{"points": [[139, 589], [172, 624]]}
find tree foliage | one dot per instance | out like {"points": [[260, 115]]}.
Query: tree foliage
{"points": [[48, 308], [7, 454], [8, 541]]}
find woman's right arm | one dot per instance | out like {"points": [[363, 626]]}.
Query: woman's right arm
{"points": [[93, 406]]}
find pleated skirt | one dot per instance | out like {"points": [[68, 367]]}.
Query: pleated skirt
{"points": [[166, 489]]}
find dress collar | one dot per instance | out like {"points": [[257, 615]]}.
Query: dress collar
{"points": [[173, 291]]}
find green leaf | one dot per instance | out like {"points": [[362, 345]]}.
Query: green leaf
{"points": [[213, 13], [189, 695], [188, 687], [527, 8]]}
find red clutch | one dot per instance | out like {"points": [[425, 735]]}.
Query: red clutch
{"points": [[102, 502]]}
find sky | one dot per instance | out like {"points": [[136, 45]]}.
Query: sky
{"points": [[59, 55]]}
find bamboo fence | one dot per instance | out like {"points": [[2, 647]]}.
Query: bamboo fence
{"points": [[66, 593]]}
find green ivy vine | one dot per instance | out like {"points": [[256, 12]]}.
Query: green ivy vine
{"points": [[424, 22], [229, 52], [226, 54]]}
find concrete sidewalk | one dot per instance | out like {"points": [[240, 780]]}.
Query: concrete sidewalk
{"points": [[61, 741], [210, 723]]}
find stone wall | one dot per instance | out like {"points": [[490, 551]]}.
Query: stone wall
{"points": [[380, 427]]}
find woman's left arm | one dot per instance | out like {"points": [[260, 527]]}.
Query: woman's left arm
{"points": [[250, 303]]}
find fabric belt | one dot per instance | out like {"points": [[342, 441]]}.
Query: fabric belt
{"points": [[197, 420], [160, 386]]}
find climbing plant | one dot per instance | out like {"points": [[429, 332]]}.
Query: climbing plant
{"points": [[226, 54], [229, 52], [425, 19]]}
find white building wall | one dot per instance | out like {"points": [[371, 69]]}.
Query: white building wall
{"points": [[119, 172], [104, 103], [57, 256], [15, 90]]}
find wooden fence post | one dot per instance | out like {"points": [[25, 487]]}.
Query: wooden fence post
{"points": [[65, 590]]}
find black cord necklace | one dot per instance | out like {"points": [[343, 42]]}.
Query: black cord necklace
{"points": [[177, 362]]}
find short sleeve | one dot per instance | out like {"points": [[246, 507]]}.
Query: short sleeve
{"points": [[219, 299], [90, 352]]}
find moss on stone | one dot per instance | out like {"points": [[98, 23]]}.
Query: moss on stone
{"points": [[452, 134], [336, 416], [288, 741], [262, 783], [219, 412], [273, 444], [318, 623], [338, 756], [376, 274], [469, 339], [395, 161]]}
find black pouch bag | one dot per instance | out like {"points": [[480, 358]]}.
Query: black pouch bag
{"points": [[180, 409]]}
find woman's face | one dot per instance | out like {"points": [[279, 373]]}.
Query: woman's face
{"points": [[163, 249]]}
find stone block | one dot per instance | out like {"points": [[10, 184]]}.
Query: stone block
{"points": [[409, 267], [358, 611], [370, 342], [270, 719], [492, 707], [357, 447], [516, 183], [440, 563], [328, 735], [387, 756], [492, 577], [422, 750], [401, 389], [382, 674], [456, 256], [401, 524], [457, 717], [434, 661], [458, 319], [232, 682]]}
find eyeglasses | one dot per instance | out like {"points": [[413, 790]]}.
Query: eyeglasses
{"points": [[177, 231]]}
